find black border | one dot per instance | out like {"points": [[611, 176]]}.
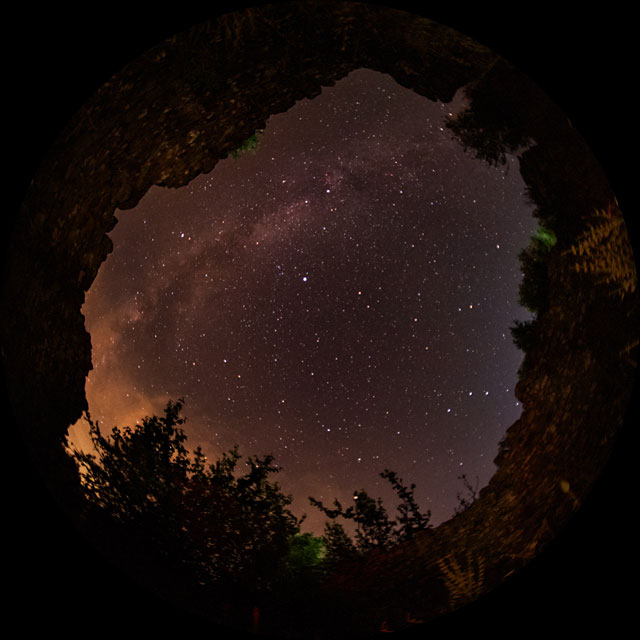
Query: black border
{"points": [[57, 58]]}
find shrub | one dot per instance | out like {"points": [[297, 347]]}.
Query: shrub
{"points": [[523, 334], [250, 144], [534, 288]]}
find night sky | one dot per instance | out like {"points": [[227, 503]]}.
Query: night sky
{"points": [[340, 298]]}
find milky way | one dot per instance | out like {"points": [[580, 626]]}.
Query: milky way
{"points": [[339, 297]]}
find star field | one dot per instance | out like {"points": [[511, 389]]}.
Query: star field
{"points": [[340, 297]]}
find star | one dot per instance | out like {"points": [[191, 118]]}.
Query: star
{"points": [[268, 363]]}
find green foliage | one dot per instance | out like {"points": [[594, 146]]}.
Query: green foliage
{"points": [[534, 287], [305, 562], [250, 144], [374, 528], [544, 238], [219, 524], [306, 550]]}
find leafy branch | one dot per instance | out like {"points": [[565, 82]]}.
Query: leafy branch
{"points": [[374, 528]]}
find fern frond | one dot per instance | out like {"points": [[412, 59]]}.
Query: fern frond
{"points": [[606, 251], [464, 584]]}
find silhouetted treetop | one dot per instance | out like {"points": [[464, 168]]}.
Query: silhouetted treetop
{"points": [[208, 517], [374, 528]]}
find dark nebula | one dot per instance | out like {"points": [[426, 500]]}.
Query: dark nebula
{"points": [[339, 297]]}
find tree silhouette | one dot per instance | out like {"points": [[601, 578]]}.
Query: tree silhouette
{"points": [[338, 544], [488, 143], [489, 127], [219, 526], [534, 288], [523, 334], [411, 520], [533, 292], [374, 528], [465, 501]]}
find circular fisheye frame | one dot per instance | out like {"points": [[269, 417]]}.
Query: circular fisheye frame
{"points": [[319, 321]]}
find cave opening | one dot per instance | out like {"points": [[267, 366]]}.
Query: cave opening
{"points": [[337, 292]]}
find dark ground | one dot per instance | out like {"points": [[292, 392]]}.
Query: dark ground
{"points": [[59, 585]]}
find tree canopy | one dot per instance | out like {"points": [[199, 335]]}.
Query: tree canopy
{"points": [[221, 524], [374, 528]]}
